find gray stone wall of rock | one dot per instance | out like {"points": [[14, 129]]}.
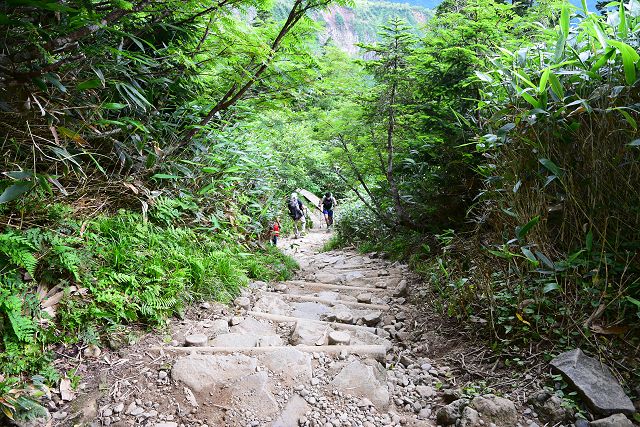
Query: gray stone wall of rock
{"points": [[594, 381]]}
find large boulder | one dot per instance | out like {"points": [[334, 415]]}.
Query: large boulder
{"points": [[494, 409], [594, 381], [364, 380]]}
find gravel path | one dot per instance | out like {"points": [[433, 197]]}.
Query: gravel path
{"points": [[335, 347]]}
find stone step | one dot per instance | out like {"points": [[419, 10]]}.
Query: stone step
{"points": [[318, 285], [291, 319], [372, 350], [354, 304]]}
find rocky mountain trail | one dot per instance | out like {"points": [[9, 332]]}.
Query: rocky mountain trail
{"points": [[341, 345]]}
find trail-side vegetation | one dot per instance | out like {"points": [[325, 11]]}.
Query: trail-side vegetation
{"points": [[502, 162], [149, 145]]}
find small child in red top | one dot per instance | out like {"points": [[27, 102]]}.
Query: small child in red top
{"points": [[275, 232]]}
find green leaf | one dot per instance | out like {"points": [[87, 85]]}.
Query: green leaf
{"points": [[589, 241], [165, 176], [556, 86], [622, 27], [89, 84], [530, 99], [551, 286], [545, 260], [629, 59], [521, 232], [113, 106], [565, 16], [543, 80], [552, 167], [530, 256], [53, 79], [603, 59], [484, 77], [14, 191], [632, 122]]}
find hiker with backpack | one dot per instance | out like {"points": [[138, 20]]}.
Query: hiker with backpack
{"points": [[327, 204], [296, 212]]}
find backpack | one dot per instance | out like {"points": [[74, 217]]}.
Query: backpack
{"points": [[327, 203], [294, 209]]}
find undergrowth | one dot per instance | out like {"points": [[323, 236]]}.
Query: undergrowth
{"points": [[585, 299], [113, 270]]}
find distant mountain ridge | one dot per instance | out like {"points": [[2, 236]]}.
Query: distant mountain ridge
{"points": [[432, 4], [347, 26]]}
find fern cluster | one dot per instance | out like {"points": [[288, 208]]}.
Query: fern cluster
{"points": [[129, 270]]}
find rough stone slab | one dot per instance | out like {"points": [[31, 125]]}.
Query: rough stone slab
{"points": [[200, 372], [363, 380], [196, 340], [617, 420], [290, 364], [291, 414], [494, 409], [594, 381], [364, 298], [235, 340], [339, 338], [253, 392], [309, 333]]}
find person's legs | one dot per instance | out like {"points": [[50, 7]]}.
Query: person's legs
{"points": [[274, 240], [326, 216], [303, 221], [295, 228], [329, 217]]}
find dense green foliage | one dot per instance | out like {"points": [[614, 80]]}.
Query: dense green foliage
{"points": [[517, 129], [495, 148]]}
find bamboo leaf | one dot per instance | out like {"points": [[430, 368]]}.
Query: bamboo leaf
{"points": [[543, 80], [552, 167], [622, 26], [556, 86], [565, 16], [521, 232], [530, 256], [14, 191], [89, 84]]}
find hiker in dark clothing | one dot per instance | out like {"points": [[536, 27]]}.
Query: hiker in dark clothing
{"points": [[296, 211], [327, 204]]}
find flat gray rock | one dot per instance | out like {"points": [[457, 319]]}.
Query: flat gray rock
{"points": [[235, 340], [200, 372], [253, 393], [364, 297], [364, 381], [308, 333], [196, 340], [339, 338], [290, 364], [594, 381], [291, 414], [617, 420]]}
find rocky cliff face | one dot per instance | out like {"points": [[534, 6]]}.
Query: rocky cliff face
{"points": [[346, 27]]}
